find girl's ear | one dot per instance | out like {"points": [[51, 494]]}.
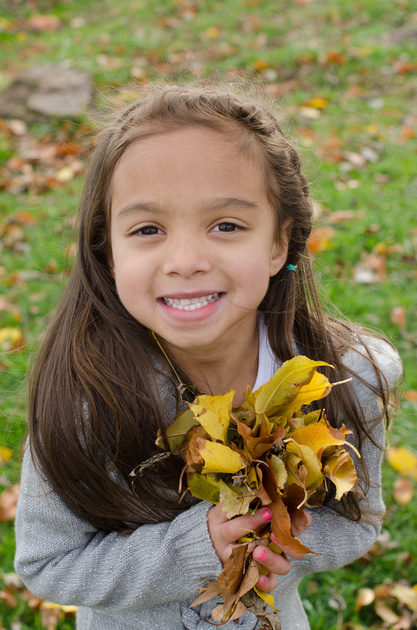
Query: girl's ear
{"points": [[280, 249]]}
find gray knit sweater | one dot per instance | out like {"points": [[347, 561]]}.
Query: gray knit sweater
{"points": [[146, 580]]}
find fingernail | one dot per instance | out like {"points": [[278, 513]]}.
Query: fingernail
{"points": [[273, 537], [261, 581], [267, 515], [261, 556]]}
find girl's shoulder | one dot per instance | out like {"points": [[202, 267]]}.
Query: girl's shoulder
{"points": [[369, 356]]}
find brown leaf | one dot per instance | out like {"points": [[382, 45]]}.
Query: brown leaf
{"points": [[8, 503], [231, 577], [42, 23], [398, 316], [403, 491], [365, 597], [281, 522]]}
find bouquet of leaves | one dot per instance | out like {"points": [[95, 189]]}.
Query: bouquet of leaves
{"points": [[272, 451]]}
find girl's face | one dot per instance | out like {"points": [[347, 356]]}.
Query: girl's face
{"points": [[193, 238]]}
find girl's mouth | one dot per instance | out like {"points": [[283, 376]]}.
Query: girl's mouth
{"points": [[191, 304]]}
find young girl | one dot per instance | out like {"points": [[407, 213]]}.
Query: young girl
{"points": [[192, 264]]}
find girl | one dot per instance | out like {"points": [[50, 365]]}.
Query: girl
{"points": [[192, 264]]}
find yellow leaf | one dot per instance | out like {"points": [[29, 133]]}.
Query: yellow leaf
{"points": [[51, 606], [403, 461], [318, 436], [267, 597], [318, 388], [219, 458], [341, 470], [204, 487], [177, 430], [406, 595], [235, 501], [309, 459], [11, 339], [5, 454], [285, 385], [213, 413], [280, 472]]}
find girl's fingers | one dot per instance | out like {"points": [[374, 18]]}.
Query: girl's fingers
{"points": [[274, 562], [295, 555], [267, 582], [242, 525]]}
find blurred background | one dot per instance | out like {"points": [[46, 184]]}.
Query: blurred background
{"points": [[343, 75]]}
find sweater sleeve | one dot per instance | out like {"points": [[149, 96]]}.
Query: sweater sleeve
{"points": [[337, 540], [58, 554]]}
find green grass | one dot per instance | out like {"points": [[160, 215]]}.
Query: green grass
{"points": [[353, 54]]}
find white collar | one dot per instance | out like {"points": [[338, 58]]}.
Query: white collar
{"points": [[267, 361]]}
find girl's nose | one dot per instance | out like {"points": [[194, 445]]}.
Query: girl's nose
{"points": [[186, 257]]}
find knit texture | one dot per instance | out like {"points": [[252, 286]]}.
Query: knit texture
{"points": [[146, 580]]}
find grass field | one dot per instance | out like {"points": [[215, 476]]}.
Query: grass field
{"points": [[344, 76]]}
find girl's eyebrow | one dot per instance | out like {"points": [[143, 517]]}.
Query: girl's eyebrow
{"points": [[215, 204]]}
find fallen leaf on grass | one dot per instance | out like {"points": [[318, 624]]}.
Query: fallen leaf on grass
{"points": [[321, 239], [403, 491], [8, 503], [11, 339], [5, 454], [365, 597], [398, 316], [410, 395], [403, 461], [42, 23], [371, 269]]}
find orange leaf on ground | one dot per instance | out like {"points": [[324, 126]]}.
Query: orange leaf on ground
{"points": [[8, 503], [403, 491]]}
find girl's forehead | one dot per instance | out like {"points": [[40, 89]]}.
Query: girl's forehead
{"points": [[231, 138]]}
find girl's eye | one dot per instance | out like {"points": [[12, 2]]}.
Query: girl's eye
{"points": [[148, 230], [226, 226]]}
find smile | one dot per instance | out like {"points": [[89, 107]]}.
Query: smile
{"points": [[191, 304]]}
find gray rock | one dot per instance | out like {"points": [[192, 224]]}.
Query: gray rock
{"points": [[45, 92]]}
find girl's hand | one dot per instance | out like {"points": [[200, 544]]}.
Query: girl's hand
{"points": [[226, 532]]}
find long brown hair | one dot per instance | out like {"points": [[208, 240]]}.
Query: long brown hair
{"points": [[95, 399]]}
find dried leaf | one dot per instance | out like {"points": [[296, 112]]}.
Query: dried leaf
{"points": [[219, 458], [405, 595], [365, 597], [284, 386], [231, 577], [11, 339], [213, 413], [5, 454], [403, 491], [386, 613], [267, 597], [208, 593], [235, 501], [403, 461], [341, 471], [177, 430], [204, 487], [8, 503]]}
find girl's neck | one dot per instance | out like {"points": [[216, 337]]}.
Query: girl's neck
{"points": [[223, 369]]}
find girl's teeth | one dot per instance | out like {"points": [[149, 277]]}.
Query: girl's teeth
{"points": [[191, 304]]}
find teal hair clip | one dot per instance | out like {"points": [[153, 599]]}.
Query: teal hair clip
{"points": [[291, 267]]}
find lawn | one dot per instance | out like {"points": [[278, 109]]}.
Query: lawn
{"points": [[344, 76]]}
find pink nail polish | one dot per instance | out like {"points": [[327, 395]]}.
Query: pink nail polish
{"points": [[267, 515], [261, 582], [273, 537], [261, 556]]}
